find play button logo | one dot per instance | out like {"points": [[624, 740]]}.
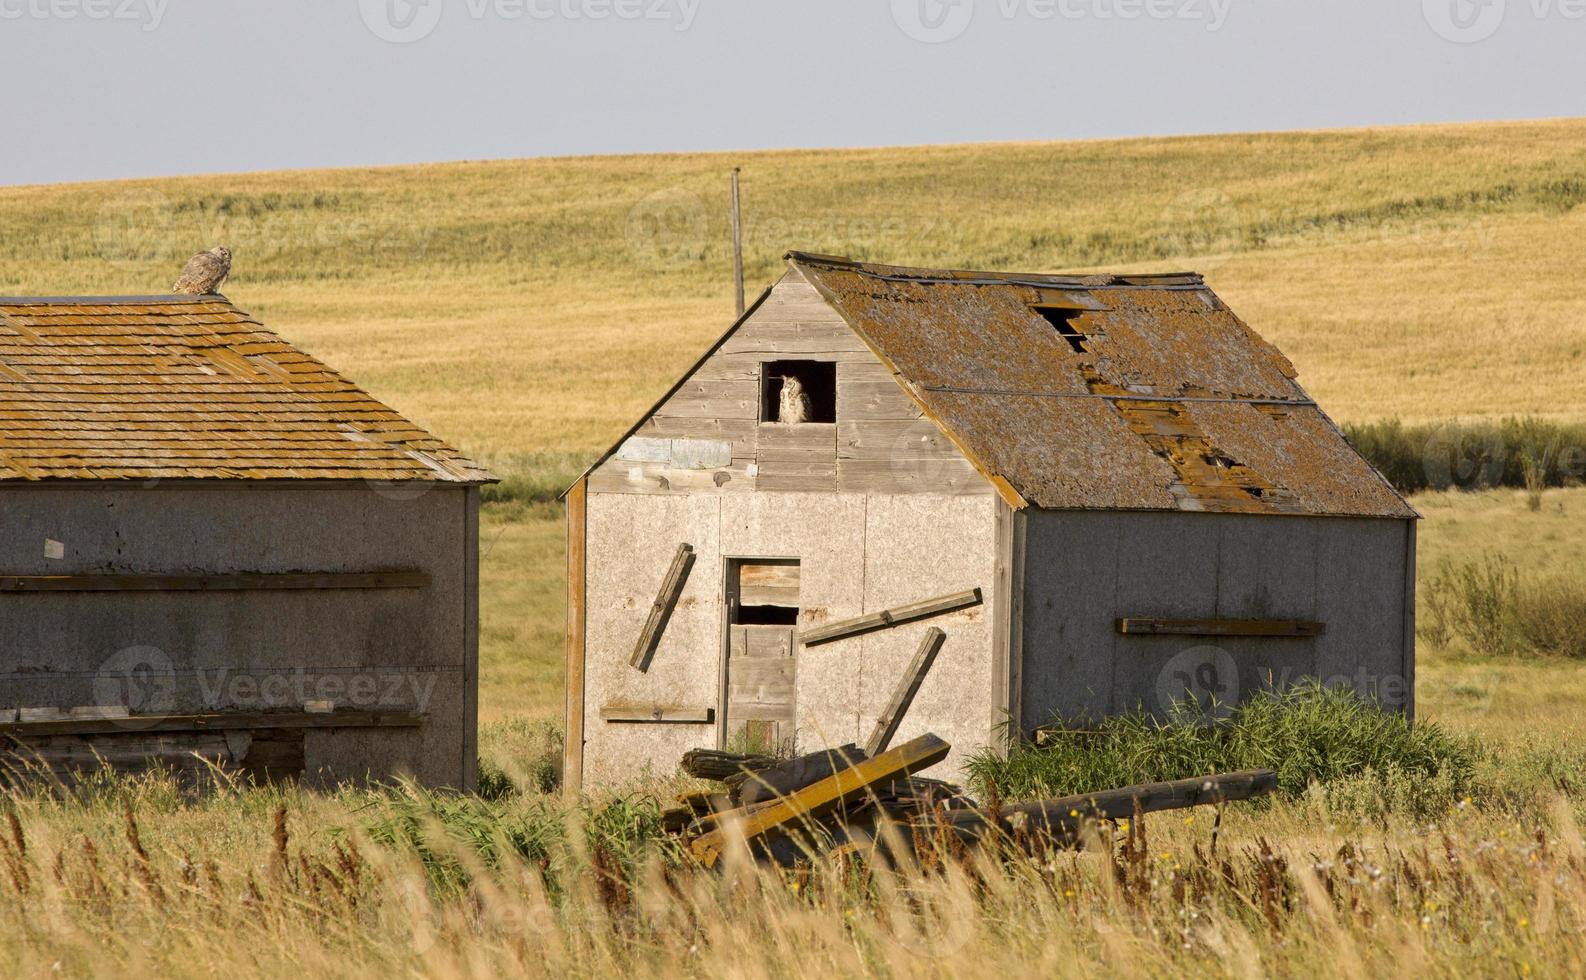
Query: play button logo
{"points": [[401, 21]]}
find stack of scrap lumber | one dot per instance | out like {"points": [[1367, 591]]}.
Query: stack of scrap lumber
{"points": [[794, 809]]}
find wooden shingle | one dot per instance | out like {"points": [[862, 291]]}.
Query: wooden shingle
{"points": [[180, 387]]}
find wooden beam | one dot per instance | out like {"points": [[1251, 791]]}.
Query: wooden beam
{"points": [[656, 714], [661, 611], [821, 798], [233, 582], [217, 722], [794, 774], [889, 618], [1221, 627], [903, 696], [1065, 816]]}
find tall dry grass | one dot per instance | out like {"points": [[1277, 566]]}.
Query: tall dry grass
{"points": [[299, 887]]}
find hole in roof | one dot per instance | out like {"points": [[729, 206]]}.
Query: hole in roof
{"points": [[1062, 320]]}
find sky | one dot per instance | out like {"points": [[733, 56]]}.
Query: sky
{"points": [[98, 89]]}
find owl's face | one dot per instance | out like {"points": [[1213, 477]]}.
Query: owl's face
{"points": [[792, 385], [223, 252]]}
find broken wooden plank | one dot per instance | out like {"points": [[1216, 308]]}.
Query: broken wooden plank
{"points": [[220, 721], [717, 765], [903, 696], [1221, 627], [1065, 816], [821, 798], [230, 582], [769, 583], [661, 611], [795, 774], [888, 618], [641, 713]]}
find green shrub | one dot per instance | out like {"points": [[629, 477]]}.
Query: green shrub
{"points": [[1308, 735], [1530, 453], [1550, 616], [1497, 612]]}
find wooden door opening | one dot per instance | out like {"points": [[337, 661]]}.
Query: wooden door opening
{"points": [[760, 663]]}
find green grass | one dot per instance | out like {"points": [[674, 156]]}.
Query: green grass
{"points": [[1311, 736]]}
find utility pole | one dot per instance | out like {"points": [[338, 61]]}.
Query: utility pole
{"points": [[737, 240]]}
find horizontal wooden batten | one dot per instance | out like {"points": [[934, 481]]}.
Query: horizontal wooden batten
{"points": [[656, 714], [1221, 627], [888, 618], [217, 722], [235, 582], [221, 582]]}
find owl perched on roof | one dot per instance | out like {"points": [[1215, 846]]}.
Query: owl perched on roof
{"points": [[794, 407], [205, 272]]}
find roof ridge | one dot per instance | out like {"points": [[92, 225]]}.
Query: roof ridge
{"points": [[153, 299], [1179, 280]]}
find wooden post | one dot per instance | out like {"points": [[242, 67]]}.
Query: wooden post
{"points": [[908, 687], [1066, 815], [661, 612], [737, 242], [573, 733]]}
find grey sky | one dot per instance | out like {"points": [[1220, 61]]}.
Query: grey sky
{"points": [[117, 88]]}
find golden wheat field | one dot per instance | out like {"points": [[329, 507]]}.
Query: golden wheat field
{"points": [[528, 311]]}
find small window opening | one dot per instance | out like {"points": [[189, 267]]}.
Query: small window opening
{"points": [[1062, 320], [767, 616], [794, 392]]}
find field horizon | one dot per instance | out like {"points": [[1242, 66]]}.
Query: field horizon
{"points": [[525, 307]]}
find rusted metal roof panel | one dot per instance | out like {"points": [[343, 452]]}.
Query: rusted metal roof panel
{"points": [[182, 387], [1106, 392]]}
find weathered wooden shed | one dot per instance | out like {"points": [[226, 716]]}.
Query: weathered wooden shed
{"points": [[1107, 491], [211, 542]]}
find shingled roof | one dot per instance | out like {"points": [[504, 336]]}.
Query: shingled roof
{"points": [[189, 387], [1105, 392]]}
